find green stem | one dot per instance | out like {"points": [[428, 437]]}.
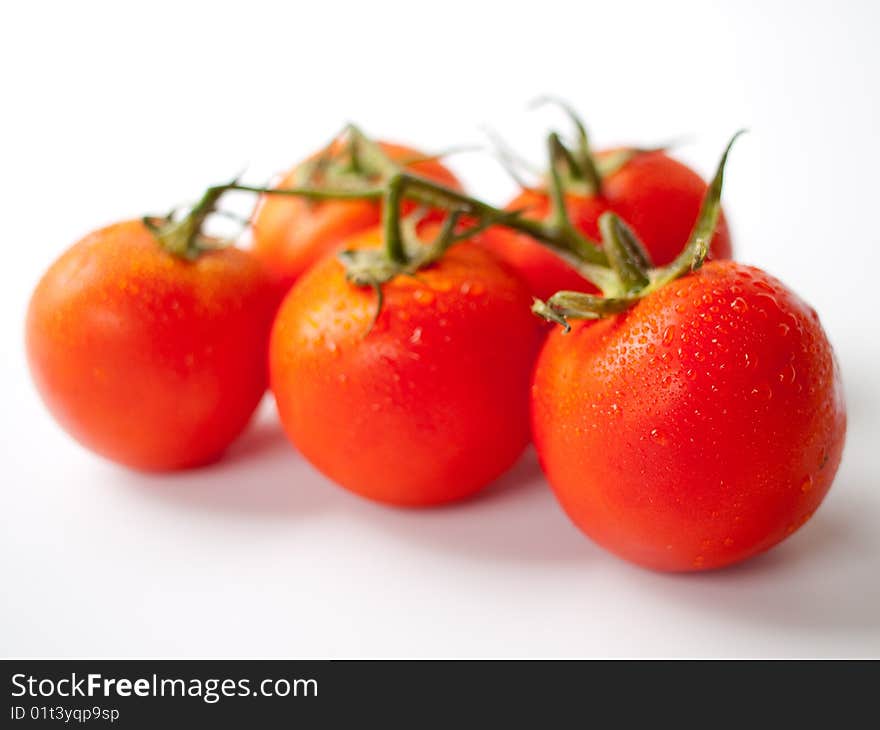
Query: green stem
{"points": [[391, 221], [585, 168], [628, 260]]}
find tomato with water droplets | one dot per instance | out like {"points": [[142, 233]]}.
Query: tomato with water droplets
{"points": [[657, 196], [429, 403], [700, 427], [149, 359]]}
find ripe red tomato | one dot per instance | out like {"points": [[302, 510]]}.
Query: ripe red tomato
{"points": [[148, 359], [290, 234], [429, 405], [700, 427], [656, 195]]}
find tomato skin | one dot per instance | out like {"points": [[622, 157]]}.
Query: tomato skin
{"points": [[699, 428], [147, 359], [291, 234], [656, 195], [432, 403]]}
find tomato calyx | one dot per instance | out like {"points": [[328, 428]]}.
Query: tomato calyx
{"points": [[351, 162], [183, 237], [630, 275], [573, 168]]}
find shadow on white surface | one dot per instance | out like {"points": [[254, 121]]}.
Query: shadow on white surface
{"points": [[822, 582], [826, 578], [515, 518]]}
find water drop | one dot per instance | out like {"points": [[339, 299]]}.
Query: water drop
{"points": [[739, 305], [669, 335], [659, 437], [788, 375], [807, 484], [763, 391], [423, 296]]}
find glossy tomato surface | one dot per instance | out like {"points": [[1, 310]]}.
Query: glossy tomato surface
{"points": [[428, 406], [699, 428], [656, 195], [291, 234], [147, 359]]}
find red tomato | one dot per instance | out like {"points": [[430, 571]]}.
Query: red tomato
{"points": [[290, 234], [145, 358], [657, 196], [699, 428], [429, 405]]}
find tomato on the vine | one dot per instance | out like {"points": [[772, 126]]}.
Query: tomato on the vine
{"points": [[655, 194], [290, 234], [426, 404], [146, 357], [696, 429]]}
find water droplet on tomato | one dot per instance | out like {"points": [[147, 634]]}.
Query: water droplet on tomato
{"points": [[416, 335], [783, 329], [658, 437], [788, 375], [669, 335], [763, 391], [423, 296], [807, 483], [739, 305]]}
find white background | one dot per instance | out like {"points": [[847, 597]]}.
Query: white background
{"points": [[111, 111]]}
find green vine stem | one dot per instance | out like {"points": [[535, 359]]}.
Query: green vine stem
{"points": [[635, 278], [619, 266]]}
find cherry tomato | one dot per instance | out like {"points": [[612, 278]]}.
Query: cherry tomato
{"points": [[290, 234], [697, 429], [656, 195], [148, 359], [427, 406]]}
